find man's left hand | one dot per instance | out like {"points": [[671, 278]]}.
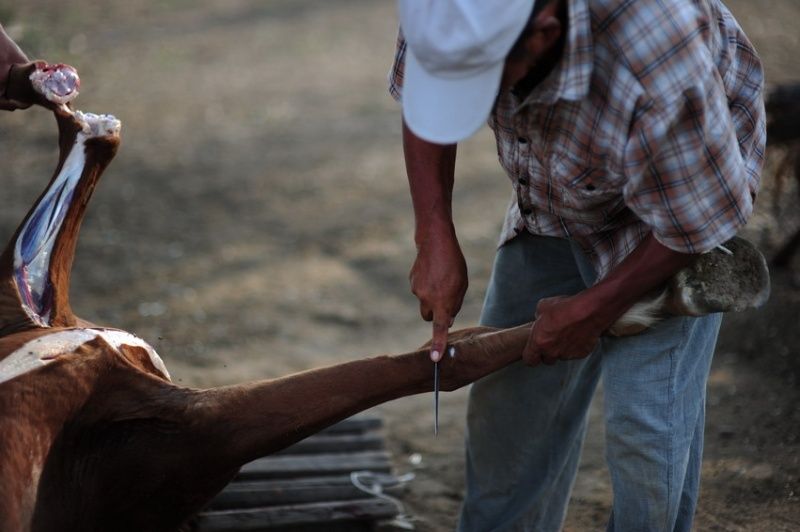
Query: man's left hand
{"points": [[565, 329]]}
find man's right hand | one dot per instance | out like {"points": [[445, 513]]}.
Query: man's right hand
{"points": [[439, 275], [439, 280]]}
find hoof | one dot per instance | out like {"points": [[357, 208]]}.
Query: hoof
{"points": [[721, 282]]}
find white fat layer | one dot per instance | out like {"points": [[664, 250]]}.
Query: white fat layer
{"points": [[44, 349], [50, 211], [119, 338]]}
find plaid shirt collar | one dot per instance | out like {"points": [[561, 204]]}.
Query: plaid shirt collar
{"points": [[570, 79]]}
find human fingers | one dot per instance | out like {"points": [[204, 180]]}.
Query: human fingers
{"points": [[547, 303], [425, 311], [441, 324]]}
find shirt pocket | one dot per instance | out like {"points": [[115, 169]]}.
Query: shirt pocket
{"points": [[591, 191]]}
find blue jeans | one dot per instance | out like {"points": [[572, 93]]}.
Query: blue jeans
{"points": [[526, 425]]}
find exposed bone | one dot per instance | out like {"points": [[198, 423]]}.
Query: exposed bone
{"points": [[57, 83]]}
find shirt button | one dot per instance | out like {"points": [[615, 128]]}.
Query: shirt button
{"points": [[527, 211], [522, 140], [590, 187], [523, 181]]}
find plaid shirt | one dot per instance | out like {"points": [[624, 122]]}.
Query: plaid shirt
{"points": [[653, 121]]}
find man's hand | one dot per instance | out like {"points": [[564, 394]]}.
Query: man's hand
{"points": [[439, 280], [565, 328], [570, 327]]}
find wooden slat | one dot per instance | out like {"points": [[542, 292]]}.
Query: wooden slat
{"points": [[298, 514], [250, 494], [354, 424], [289, 466], [306, 485], [336, 443]]}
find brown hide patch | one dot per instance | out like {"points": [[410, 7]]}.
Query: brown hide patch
{"points": [[140, 358], [33, 411]]}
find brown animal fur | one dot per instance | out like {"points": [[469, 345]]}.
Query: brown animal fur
{"points": [[99, 439]]}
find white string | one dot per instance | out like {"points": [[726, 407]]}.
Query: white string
{"points": [[374, 484]]}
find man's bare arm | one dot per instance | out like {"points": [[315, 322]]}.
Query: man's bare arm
{"points": [[439, 274]]}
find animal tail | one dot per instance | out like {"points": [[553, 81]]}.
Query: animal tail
{"points": [[640, 316]]}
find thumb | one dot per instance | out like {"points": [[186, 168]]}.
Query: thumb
{"points": [[441, 323], [546, 303]]}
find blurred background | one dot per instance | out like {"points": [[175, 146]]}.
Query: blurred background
{"points": [[257, 222]]}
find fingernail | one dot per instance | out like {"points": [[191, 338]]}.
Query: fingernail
{"points": [[435, 355], [452, 352]]}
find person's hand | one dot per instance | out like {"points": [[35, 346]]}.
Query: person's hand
{"points": [[565, 328], [439, 280], [19, 93]]}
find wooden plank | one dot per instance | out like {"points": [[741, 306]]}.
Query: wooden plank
{"points": [[296, 514], [354, 424], [251, 494], [291, 466], [336, 443]]}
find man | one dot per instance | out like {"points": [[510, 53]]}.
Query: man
{"points": [[15, 68], [633, 133]]}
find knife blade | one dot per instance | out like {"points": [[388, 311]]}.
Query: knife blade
{"points": [[435, 398]]}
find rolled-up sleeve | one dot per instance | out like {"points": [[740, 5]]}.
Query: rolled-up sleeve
{"points": [[396, 72], [687, 177]]}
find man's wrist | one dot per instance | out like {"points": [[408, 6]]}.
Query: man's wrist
{"points": [[604, 303], [434, 229], [17, 91], [596, 307], [645, 270]]}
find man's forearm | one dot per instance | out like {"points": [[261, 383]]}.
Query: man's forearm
{"points": [[649, 266], [10, 55], [430, 169], [439, 274]]}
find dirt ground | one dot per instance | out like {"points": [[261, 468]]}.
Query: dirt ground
{"points": [[256, 222]]}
